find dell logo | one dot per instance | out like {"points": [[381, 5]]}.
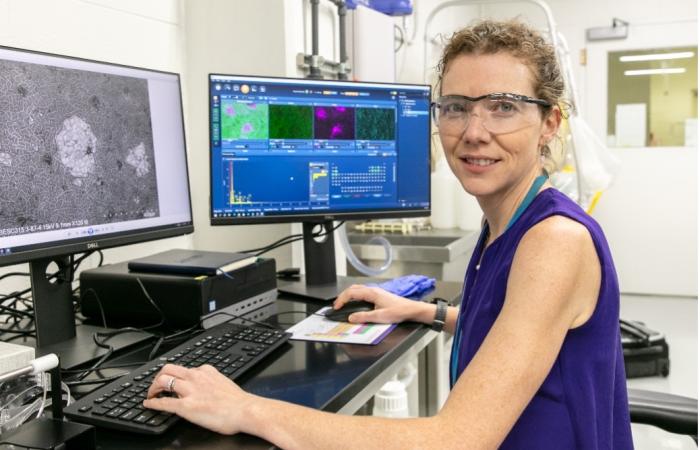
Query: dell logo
{"points": [[93, 245]]}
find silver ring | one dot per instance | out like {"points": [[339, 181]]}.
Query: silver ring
{"points": [[171, 385]]}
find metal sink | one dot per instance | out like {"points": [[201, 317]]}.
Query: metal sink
{"points": [[433, 246]]}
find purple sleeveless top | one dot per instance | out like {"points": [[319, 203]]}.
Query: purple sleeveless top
{"points": [[582, 403]]}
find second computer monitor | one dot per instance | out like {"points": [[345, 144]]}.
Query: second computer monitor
{"points": [[314, 151], [287, 150]]}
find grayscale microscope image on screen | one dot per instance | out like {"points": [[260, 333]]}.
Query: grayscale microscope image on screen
{"points": [[76, 149]]}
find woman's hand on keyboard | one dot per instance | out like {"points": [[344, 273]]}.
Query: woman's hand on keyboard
{"points": [[203, 396]]}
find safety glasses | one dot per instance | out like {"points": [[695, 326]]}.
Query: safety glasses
{"points": [[499, 112]]}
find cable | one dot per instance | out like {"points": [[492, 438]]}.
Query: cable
{"points": [[64, 386], [82, 258], [110, 350], [45, 387], [82, 373], [277, 241], [145, 293], [107, 367], [19, 332], [99, 362], [262, 324], [14, 338], [321, 233], [74, 266], [160, 339], [14, 274], [290, 239], [99, 304], [108, 334], [65, 393], [155, 348], [118, 366], [191, 330], [268, 249], [150, 300], [402, 38], [16, 295], [104, 380], [16, 312]]}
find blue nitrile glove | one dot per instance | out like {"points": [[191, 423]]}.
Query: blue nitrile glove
{"points": [[413, 286]]}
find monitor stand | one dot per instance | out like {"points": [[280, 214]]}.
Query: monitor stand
{"points": [[324, 292], [320, 281], [54, 318]]}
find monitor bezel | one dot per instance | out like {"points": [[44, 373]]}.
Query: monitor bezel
{"points": [[128, 237], [323, 216]]}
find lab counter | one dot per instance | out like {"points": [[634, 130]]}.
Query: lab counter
{"points": [[337, 378]]}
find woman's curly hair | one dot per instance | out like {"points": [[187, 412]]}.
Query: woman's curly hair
{"points": [[521, 41]]}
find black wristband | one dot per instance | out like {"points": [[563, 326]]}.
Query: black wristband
{"points": [[440, 315]]}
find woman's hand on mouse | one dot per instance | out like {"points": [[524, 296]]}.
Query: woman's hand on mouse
{"points": [[204, 397], [388, 307]]}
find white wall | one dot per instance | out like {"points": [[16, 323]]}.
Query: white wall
{"points": [[244, 37], [145, 34], [652, 24], [652, 226]]}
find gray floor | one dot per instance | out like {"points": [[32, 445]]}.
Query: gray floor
{"points": [[677, 318]]}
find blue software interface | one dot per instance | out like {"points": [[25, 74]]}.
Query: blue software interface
{"points": [[290, 147]]}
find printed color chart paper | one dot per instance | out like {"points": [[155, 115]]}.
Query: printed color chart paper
{"points": [[317, 328]]}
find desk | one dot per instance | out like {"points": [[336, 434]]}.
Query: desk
{"points": [[337, 378]]}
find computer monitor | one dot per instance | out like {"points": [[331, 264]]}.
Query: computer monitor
{"points": [[92, 155], [314, 151]]}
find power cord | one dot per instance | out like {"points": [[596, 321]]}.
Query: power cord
{"points": [[98, 365], [197, 328], [103, 380], [153, 303], [14, 274], [234, 316], [290, 239], [75, 263], [109, 334]]}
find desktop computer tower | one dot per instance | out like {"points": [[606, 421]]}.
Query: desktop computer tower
{"points": [[184, 300]]}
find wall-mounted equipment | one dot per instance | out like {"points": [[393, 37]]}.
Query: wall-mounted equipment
{"points": [[618, 30]]}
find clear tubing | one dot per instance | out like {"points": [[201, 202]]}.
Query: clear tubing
{"points": [[359, 265], [44, 384]]}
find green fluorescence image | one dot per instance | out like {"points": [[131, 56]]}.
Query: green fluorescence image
{"points": [[291, 122], [375, 124], [243, 120]]}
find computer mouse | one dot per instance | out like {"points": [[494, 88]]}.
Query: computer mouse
{"points": [[353, 306]]}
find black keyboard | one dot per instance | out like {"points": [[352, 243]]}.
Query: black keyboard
{"points": [[231, 348]]}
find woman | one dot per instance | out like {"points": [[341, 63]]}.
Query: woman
{"points": [[537, 360]]}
